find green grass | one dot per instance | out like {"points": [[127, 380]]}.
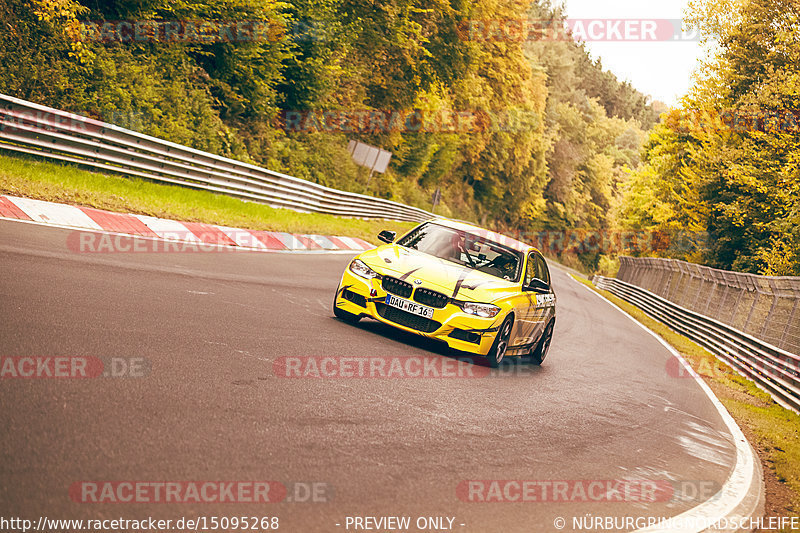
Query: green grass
{"points": [[773, 430], [71, 185]]}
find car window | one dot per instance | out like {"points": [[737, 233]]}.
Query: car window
{"points": [[465, 249], [536, 269], [532, 269], [543, 270]]}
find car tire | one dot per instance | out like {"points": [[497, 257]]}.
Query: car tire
{"points": [[500, 346], [539, 353]]}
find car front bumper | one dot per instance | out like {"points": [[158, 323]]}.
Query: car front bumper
{"points": [[461, 331]]}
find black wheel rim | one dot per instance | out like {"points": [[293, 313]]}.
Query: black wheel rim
{"points": [[502, 343], [546, 342]]}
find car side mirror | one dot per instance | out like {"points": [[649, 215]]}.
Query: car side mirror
{"points": [[537, 285], [387, 236]]}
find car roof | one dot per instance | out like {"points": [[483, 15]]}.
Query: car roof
{"points": [[514, 244]]}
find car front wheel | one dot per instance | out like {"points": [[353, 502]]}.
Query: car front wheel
{"points": [[498, 351], [343, 315]]}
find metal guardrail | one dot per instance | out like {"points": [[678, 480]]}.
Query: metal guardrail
{"points": [[765, 307], [776, 371], [34, 129]]}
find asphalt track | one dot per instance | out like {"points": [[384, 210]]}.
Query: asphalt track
{"points": [[604, 405]]}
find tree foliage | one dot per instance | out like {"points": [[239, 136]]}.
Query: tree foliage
{"points": [[728, 163], [557, 137]]}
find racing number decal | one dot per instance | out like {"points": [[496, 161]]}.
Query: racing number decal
{"points": [[545, 300]]}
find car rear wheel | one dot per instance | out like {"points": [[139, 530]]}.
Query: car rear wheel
{"points": [[498, 351], [539, 353]]}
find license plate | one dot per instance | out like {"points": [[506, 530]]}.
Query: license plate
{"points": [[409, 307]]}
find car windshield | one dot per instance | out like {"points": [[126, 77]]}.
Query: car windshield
{"points": [[465, 249]]}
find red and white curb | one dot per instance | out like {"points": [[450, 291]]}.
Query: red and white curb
{"points": [[152, 228]]}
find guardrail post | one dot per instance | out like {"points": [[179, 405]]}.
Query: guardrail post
{"points": [[686, 277], [771, 309], [674, 280], [663, 279], [740, 290], [635, 269], [701, 277], [768, 320], [788, 323], [713, 290], [752, 309], [724, 299], [654, 274], [624, 268]]}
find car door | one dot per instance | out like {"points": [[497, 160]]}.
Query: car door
{"points": [[527, 314], [541, 301], [545, 301]]}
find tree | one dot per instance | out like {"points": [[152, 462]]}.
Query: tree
{"points": [[729, 163]]}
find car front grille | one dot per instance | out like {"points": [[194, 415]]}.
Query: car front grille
{"points": [[408, 320], [396, 286], [431, 298]]}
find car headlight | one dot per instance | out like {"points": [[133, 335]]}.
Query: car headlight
{"points": [[481, 310], [360, 269]]}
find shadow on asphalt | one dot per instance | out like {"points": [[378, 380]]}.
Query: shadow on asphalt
{"points": [[438, 347]]}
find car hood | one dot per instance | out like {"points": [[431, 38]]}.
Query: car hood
{"points": [[438, 274]]}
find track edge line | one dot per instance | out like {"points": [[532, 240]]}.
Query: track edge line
{"points": [[741, 498]]}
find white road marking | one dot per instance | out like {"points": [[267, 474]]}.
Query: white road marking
{"points": [[52, 213], [738, 485], [168, 229], [290, 241]]}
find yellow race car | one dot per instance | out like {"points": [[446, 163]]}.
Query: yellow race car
{"points": [[478, 291]]}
